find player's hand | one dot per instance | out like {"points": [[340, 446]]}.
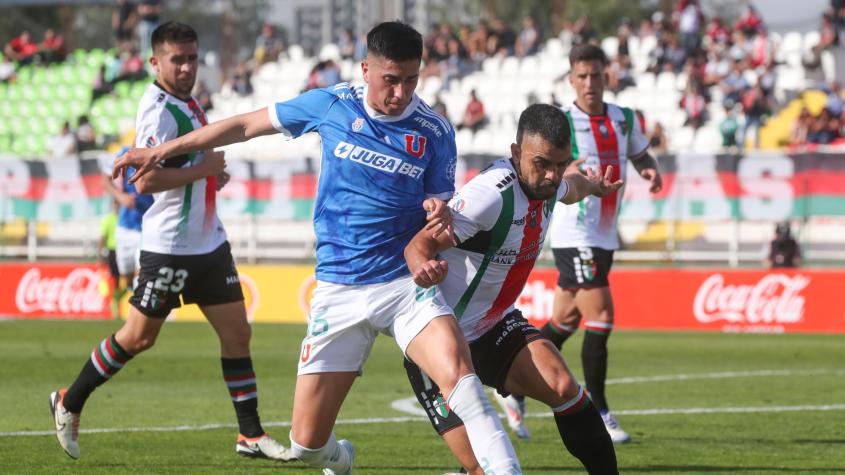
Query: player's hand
{"points": [[142, 159], [439, 217], [222, 180], [603, 185], [654, 179], [127, 200], [431, 273], [575, 166], [213, 162]]}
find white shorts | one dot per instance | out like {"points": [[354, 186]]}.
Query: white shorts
{"points": [[345, 320], [128, 250]]}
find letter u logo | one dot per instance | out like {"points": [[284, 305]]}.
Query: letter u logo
{"points": [[415, 145]]}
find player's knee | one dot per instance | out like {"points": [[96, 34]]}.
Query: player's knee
{"points": [[138, 343], [237, 339]]}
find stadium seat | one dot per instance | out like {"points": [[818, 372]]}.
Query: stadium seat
{"points": [[811, 38], [610, 45], [554, 48], [329, 51]]}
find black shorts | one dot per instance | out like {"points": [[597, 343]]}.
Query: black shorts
{"points": [[583, 267], [203, 279], [492, 357], [113, 270]]}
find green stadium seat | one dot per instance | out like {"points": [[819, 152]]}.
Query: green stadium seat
{"points": [[96, 58], [82, 92], [28, 91], [122, 88], [53, 125], [42, 108], [79, 55], [18, 146], [78, 108], [128, 107], [138, 89], [24, 109], [39, 75], [5, 143]]}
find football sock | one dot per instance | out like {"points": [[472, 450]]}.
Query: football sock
{"points": [[584, 435], [557, 333], [240, 379], [490, 443], [106, 359], [332, 455], [594, 361]]}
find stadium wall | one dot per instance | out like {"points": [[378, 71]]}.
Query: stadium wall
{"points": [[663, 299]]}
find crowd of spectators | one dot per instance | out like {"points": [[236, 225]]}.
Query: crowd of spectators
{"points": [[24, 50]]}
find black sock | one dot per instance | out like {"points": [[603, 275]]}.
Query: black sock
{"points": [[240, 379], [584, 435], [557, 334], [594, 361], [105, 360]]}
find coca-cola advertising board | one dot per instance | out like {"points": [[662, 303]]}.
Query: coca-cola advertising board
{"points": [[67, 291], [776, 301]]}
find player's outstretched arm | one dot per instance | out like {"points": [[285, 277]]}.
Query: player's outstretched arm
{"points": [[239, 128], [421, 257], [162, 179], [591, 183], [646, 166]]}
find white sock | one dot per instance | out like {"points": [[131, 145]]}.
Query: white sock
{"points": [[331, 455], [488, 439]]}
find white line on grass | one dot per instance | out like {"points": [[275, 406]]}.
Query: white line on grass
{"points": [[388, 420], [723, 375]]}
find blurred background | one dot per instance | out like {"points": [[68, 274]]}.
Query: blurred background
{"points": [[740, 100]]}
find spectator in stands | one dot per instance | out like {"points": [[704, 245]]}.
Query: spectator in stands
{"points": [[63, 144], [241, 82], [729, 127], [149, 17], [756, 106], [834, 102], [440, 107], [203, 96], [528, 39], [761, 49], [582, 31], [21, 48], [475, 118], [623, 32], [323, 74], [828, 34], [345, 43], [131, 66], [784, 250], [502, 41], [718, 65], [717, 32], [825, 128], [694, 104], [750, 21], [52, 47], [123, 21], [801, 128], [268, 47], [86, 137], [690, 20], [657, 141], [676, 56], [734, 84], [7, 69], [477, 45], [101, 85], [619, 75]]}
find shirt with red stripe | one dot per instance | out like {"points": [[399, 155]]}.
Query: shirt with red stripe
{"points": [[182, 220], [500, 233], [602, 140]]}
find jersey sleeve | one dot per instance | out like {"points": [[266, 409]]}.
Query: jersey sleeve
{"points": [[475, 208], [637, 141], [439, 180], [155, 128], [302, 114], [562, 190]]}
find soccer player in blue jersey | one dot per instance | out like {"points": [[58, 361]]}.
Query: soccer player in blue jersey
{"points": [[388, 165]]}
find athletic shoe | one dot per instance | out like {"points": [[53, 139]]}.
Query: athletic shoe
{"points": [[264, 447], [617, 435], [350, 449], [515, 411], [67, 424]]}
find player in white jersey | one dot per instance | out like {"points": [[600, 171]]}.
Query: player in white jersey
{"points": [[584, 235], [184, 253], [500, 221], [386, 160]]}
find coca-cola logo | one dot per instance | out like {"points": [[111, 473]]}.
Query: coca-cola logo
{"points": [[76, 293], [774, 299]]}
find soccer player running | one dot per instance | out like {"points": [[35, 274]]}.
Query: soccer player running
{"points": [[184, 252], [500, 219], [584, 235], [387, 159]]}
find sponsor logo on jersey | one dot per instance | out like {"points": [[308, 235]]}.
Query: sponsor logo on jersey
{"points": [[519, 222], [450, 173], [506, 181], [358, 124], [379, 161], [425, 123], [415, 145], [232, 279]]}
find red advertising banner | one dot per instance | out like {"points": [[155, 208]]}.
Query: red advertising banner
{"points": [[710, 300], [66, 291]]}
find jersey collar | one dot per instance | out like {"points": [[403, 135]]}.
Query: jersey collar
{"points": [[158, 85], [376, 115]]}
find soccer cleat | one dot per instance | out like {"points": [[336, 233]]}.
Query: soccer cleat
{"points": [[67, 424], [350, 449], [617, 435], [264, 447], [515, 412]]}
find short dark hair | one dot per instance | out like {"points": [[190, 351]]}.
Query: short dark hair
{"points": [[173, 32], [587, 52], [396, 41], [547, 121]]}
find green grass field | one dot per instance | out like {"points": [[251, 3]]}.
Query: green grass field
{"points": [[694, 403]]}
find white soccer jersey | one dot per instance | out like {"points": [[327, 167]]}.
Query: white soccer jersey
{"points": [[602, 140], [501, 233], [182, 220]]}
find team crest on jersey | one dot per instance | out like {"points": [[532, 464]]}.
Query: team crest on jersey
{"points": [[458, 205], [603, 129], [358, 124], [150, 142], [623, 126], [415, 145]]}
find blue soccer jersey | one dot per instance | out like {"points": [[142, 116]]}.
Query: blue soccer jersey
{"points": [[130, 218], [376, 172]]}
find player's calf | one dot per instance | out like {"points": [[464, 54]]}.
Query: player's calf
{"points": [[583, 433]]}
